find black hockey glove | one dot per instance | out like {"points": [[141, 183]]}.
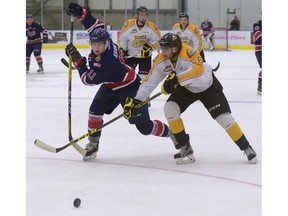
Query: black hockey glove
{"points": [[129, 108], [77, 59], [146, 50], [78, 11], [45, 38], [75, 10], [123, 52], [170, 83]]}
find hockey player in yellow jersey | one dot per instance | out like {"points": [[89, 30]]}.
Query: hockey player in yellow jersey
{"points": [[139, 37], [188, 79], [189, 33]]}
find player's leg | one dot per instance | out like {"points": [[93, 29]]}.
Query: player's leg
{"points": [[210, 42], [144, 66], [29, 50], [259, 59], [176, 104], [217, 105], [104, 102], [39, 59], [146, 126]]}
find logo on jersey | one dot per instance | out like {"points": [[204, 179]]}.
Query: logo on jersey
{"points": [[98, 58], [97, 64], [214, 107], [139, 41], [189, 52], [168, 68]]}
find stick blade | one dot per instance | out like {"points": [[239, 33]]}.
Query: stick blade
{"points": [[40, 144]]}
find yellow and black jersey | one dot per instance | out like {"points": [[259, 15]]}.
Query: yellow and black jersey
{"points": [[190, 35], [191, 71], [133, 38]]}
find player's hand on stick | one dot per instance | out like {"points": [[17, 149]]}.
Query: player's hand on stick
{"points": [[129, 107], [77, 59], [146, 50], [170, 83]]}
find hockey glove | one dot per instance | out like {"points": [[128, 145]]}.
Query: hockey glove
{"points": [[129, 108], [123, 52], [77, 11], [170, 83], [146, 50], [77, 59], [45, 38]]}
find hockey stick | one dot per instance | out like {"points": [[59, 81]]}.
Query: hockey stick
{"points": [[217, 67], [40, 144], [75, 145], [133, 56], [66, 63], [70, 82]]}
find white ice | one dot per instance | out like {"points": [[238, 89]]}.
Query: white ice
{"points": [[135, 174]]}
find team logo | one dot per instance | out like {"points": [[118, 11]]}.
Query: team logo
{"points": [[98, 58], [133, 31], [189, 52], [97, 65], [168, 68]]}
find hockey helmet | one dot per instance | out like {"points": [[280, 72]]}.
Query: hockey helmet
{"points": [[29, 16], [170, 40], [99, 34], [142, 9], [184, 15]]}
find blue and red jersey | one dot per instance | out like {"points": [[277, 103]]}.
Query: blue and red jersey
{"points": [[33, 33], [257, 34]]}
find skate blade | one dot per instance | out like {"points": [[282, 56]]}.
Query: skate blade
{"points": [[185, 160], [254, 160], [90, 157]]}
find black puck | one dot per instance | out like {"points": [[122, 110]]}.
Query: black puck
{"points": [[77, 202]]}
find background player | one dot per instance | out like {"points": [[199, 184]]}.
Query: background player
{"points": [[34, 42], [189, 33], [189, 80], [208, 33], [139, 35], [118, 81], [235, 24], [257, 34]]}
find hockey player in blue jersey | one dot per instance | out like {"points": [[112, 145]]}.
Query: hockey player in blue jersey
{"points": [[34, 42], [257, 34], [118, 81]]}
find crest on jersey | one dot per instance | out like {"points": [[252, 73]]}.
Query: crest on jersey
{"points": [[168, 68], [98, 58], [189, 52]]}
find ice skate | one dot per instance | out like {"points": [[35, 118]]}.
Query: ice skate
{"points": [[40, 70], [27, 67], [92, 148], [251, 155], [259, 89], [185, 155]]}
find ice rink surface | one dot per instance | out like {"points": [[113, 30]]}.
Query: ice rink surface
{"points": [[135, 174]]}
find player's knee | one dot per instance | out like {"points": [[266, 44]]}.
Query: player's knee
{"points": [[171, 110], [226, 120], [143, 129]]}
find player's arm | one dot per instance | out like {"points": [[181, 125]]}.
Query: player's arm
{"points": [[84, 15]]}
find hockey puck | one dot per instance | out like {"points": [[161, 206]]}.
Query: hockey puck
{"points": [[77, 202]]}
